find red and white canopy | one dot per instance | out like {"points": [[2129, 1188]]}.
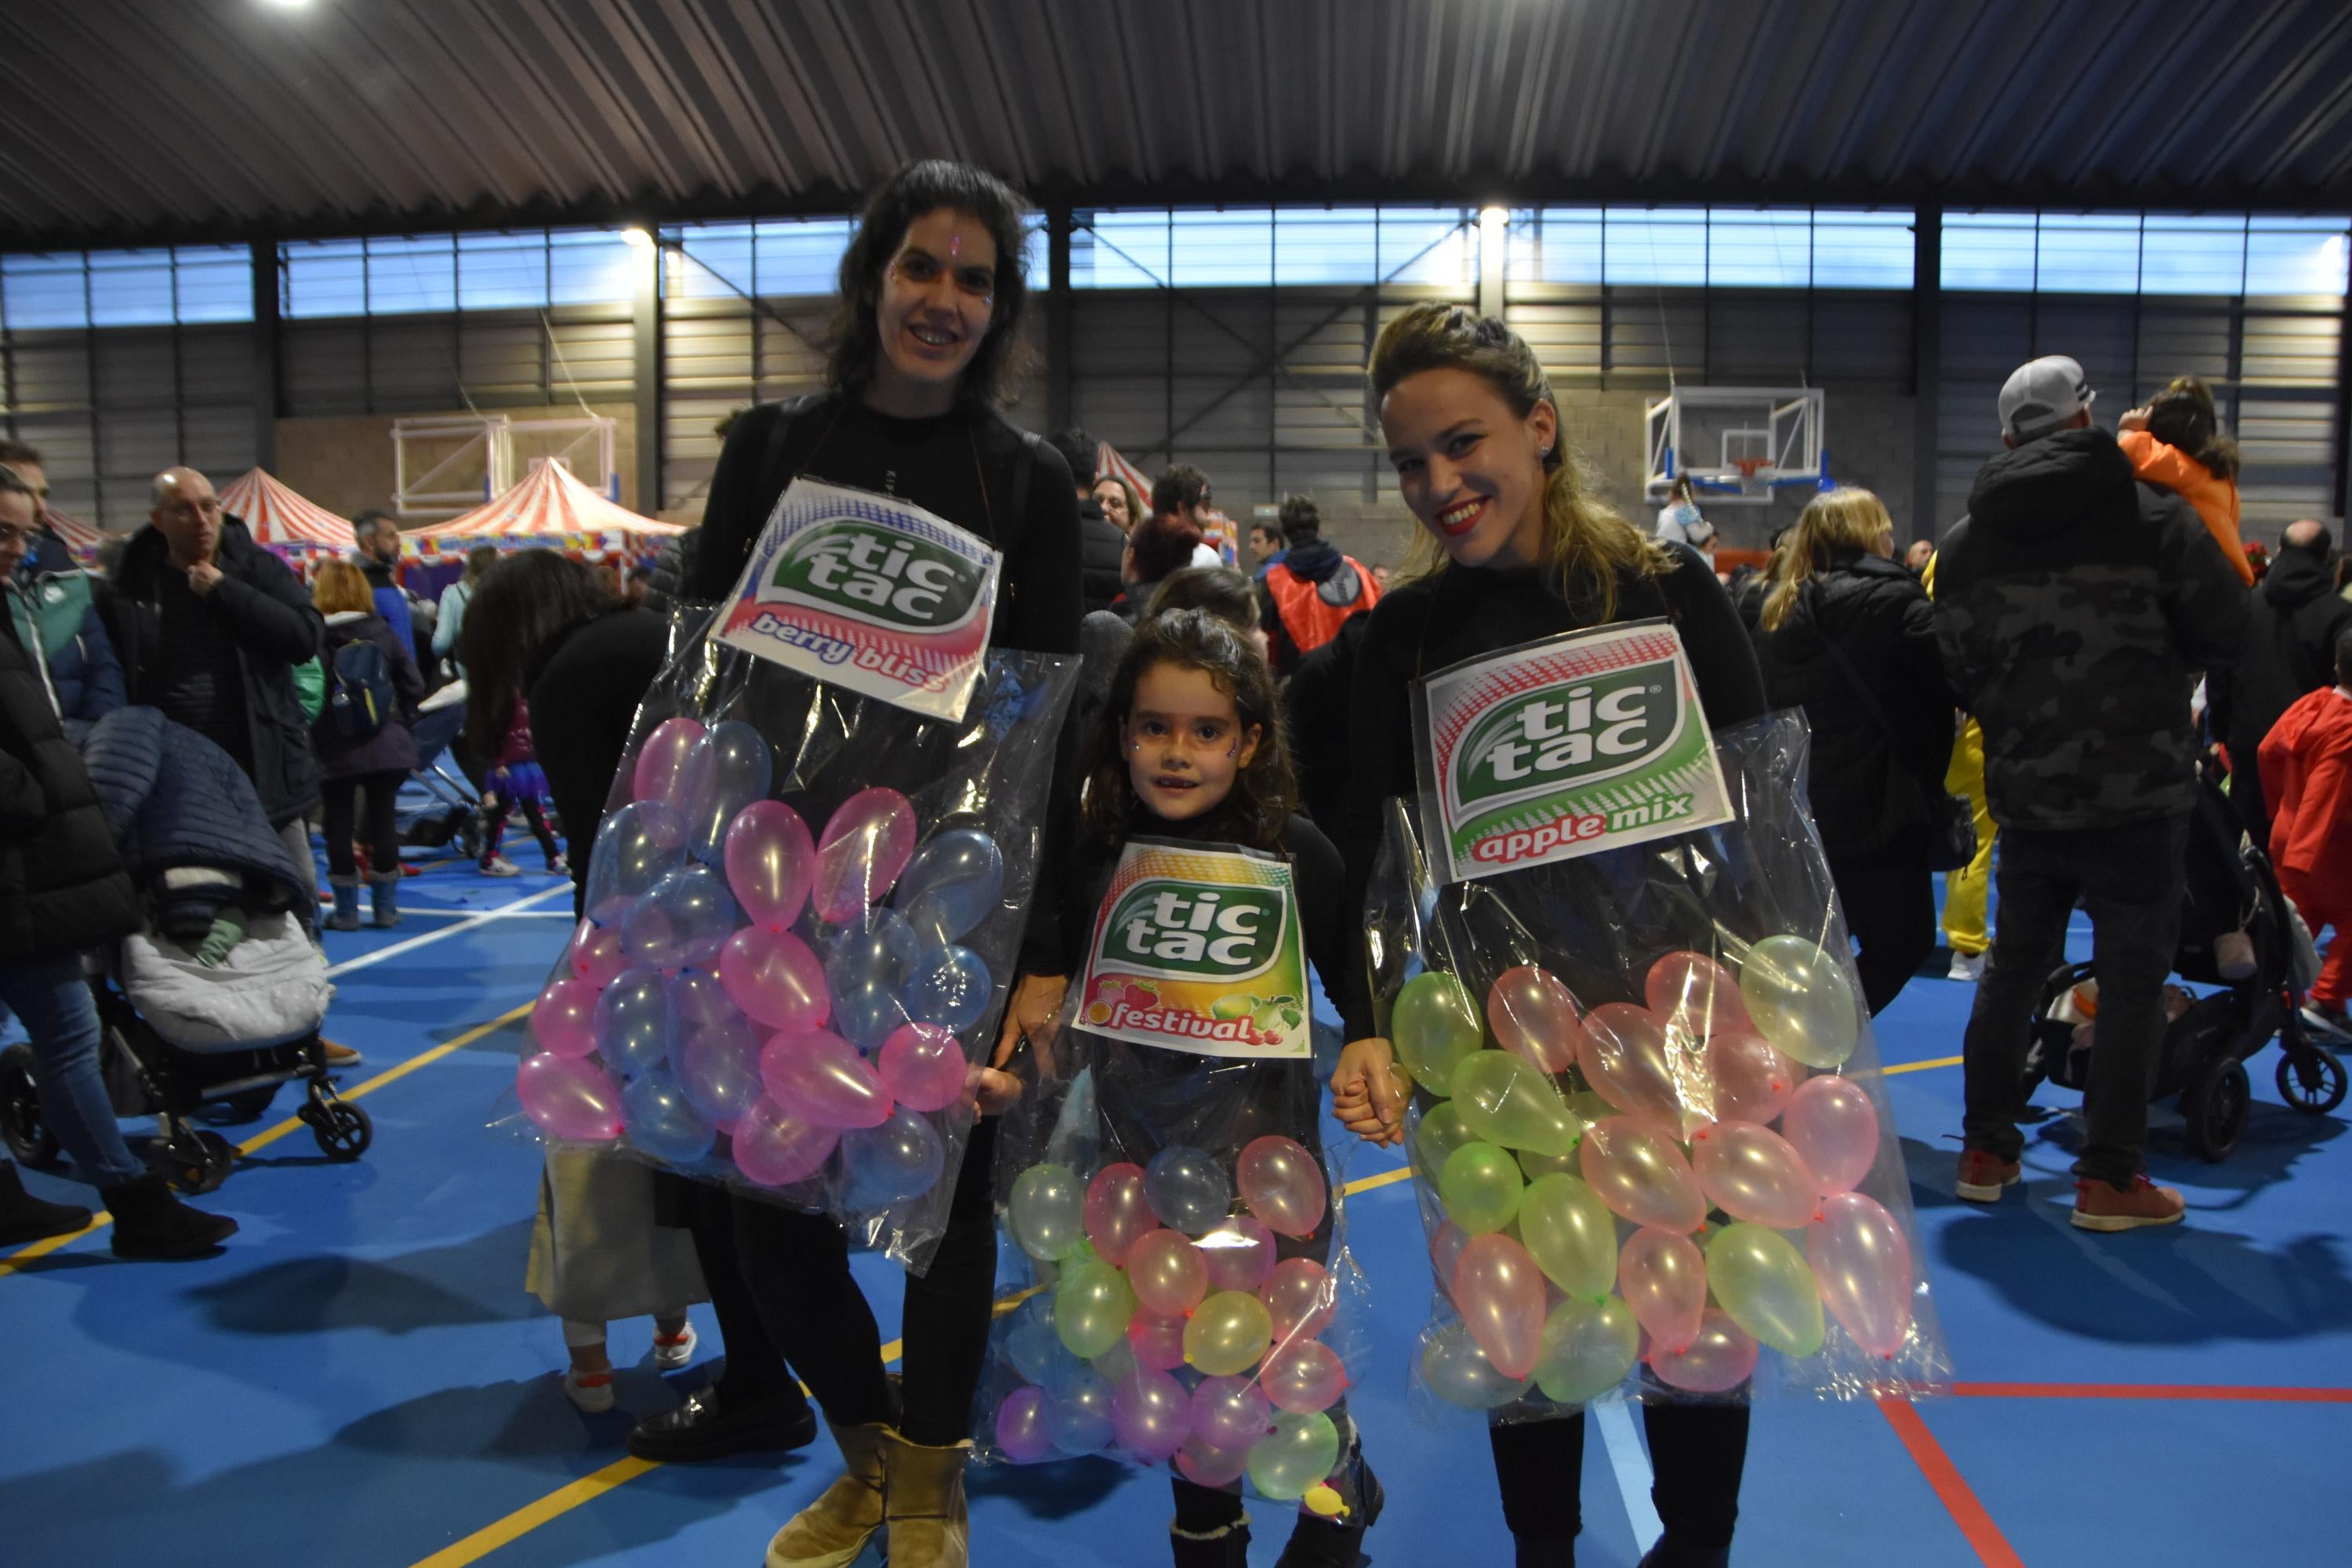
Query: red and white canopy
{"points": [[276, 514], [548, 501], [81, 537]]}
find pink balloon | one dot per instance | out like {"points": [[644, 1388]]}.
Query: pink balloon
{"points": [[769, 859], [1832, 1124], [1752, 1174], [1630, 1058], [569, 1099], [775, 1149], [1151, 1414], [1240, 1253], [1282, 1184], [865, 845], [923, 1066], [1204, 1465], [1300, 1298], [700, 1000], [1167, 1273], [1230, 1413], [1721, 1358], [595, 956], [1662, 1276], [774, 978], [1021, 1427], [1862, 1262], [1117, 1214], [819, 1077], [1533, 1014], [1157, 1342], [1500, 1294], [1696, 992], [1750, 1081], [1640, 1175], [1303, 1377], [563, 1019], [661, 764]]}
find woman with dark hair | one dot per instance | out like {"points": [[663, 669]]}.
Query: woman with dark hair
{"points": [[1157, 549], [925, 344], [2175, 441], [1120, 501], [1222, 591]]}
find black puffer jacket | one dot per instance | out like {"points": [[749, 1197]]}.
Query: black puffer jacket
{"points": [[2292, 626], [1869, 781], [62, 887], [2074, 606], [1102, 546], [274, 627]]}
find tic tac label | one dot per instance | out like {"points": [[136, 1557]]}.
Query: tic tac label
{"points": [[1198, 949], [1587, 741], [867, 591]]}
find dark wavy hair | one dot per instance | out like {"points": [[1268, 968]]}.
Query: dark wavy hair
{"points": [[854, 338], [1265, 792], [522, 609], [1220, 590]]}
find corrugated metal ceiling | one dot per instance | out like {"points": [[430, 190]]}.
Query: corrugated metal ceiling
{"points": [[155, 119]]}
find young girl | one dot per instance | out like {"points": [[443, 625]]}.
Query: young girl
{"points": [[516, 782], [1512, 548], [2175, 441], [1189, 746]]}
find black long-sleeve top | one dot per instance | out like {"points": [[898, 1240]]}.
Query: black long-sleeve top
{"points": [[1460, 613], [581, 707]]}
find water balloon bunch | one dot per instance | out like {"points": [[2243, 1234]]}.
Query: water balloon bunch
{"points": [[738, 978], [1572, 1159], [1173, 1331]]}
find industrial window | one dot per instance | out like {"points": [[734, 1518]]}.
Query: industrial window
{"points": [[183, 285], [1722, 248], [1260, 247], [784, 259], [2224, 254], [430, 273]]}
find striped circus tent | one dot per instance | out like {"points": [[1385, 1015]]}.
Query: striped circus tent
{"points": [[279, 516], [550, 503], [81, 537]]}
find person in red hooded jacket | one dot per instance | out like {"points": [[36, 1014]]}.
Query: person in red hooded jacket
{"points": [[2307, 763]]}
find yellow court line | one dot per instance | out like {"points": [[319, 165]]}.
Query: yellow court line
{"points": [[263, 1138], [1921, 1066]]}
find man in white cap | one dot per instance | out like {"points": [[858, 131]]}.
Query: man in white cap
{"points": [[2076, 607]]}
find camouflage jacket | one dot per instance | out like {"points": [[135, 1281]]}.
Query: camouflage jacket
{"points": [[2074, 608]]}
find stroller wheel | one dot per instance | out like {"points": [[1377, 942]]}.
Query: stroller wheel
{"points": [[22, 1126], [198, 1161], [2215, 1104], [343, 1131], [2316, 1089]]}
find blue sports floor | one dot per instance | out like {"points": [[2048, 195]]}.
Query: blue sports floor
{"points": [[360, 1380]]}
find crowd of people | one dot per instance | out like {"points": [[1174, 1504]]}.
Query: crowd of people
{"points": [[2046, 647]]}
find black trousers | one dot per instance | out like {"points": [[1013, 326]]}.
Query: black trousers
{"points": [[1696, 1451], [342, 822], [1889, 898], [2131, 880]]}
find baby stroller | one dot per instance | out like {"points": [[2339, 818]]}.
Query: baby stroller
{"points": [[439, 806], [2203, 1060]]}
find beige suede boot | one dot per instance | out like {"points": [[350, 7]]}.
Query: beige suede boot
{"points": [[923, 1504], [831, 1531]]}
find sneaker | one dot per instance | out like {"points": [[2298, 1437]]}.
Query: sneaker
{"points": [[499, 866], [2330, 1020], [339, 1056], [1968, 968], [559, 867], [2103, 1206], [1983, 1176], [590, 1391], [674, 1351]]}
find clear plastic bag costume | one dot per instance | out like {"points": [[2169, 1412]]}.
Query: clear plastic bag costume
{"points": [[804, 911], [1191, 1299], [1648, 1129]]}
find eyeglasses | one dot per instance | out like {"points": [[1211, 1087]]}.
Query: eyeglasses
{"points": [[12, 535]]}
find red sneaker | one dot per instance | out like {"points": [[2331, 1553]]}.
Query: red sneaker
{"points": [[1983, 1174], [2103, 1206]]}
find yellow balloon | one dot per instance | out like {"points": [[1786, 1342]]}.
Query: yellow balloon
{"points": [[1433, 1025], [1801, 999], [1228, 1333], [1091, 1305], [1570, 1234], [1508, 1099], [1588, 1349], [1764, 1283]]}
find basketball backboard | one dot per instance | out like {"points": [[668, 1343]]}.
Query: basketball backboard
{"points": [[1738, 443]]}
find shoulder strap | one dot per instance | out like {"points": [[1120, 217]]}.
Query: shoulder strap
{"points": [[1024, 468], [774, 472]]}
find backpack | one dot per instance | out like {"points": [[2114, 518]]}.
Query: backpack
{"points": [[359, 688]]}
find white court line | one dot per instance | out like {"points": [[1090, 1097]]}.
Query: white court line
{"points": [[367, 959], [1630, 1462], [500, 913]]}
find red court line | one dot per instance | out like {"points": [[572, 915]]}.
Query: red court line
{"points": [[2252, 1394], [1992, 1548]]}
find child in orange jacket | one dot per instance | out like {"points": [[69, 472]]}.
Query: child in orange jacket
{"points": [[2175, 441], [2307, 763]]}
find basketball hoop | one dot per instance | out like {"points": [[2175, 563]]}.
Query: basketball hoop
{"points": [[1751, 466]]}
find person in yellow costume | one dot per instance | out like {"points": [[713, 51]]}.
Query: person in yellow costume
{"points": [[1964, 890]]}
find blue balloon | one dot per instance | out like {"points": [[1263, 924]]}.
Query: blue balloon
{"points": [[636, 847], [948, 986], [634, 1023], [888, 1164], [1078, 1410], [1032, 1347], [660, 1120], [728, 769], [684, 922], [1188, 1189], [953, 883], [719, 1064], [865, 969]]}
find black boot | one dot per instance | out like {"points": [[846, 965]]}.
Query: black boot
{"points": [[1224, 1547], [24, 1218], [1668, 1554], [150, 1221], [704, 1428], [1533, 1551], [1336, 1542]]}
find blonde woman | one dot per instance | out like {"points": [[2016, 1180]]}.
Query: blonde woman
{"points": [[1848, 635]]}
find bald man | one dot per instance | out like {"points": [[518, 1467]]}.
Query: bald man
{"points": [[2289, 649], [210, 627]]}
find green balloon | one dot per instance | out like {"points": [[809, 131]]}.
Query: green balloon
{"points": [[1047, 1212], [1588, 1348], [1763, 1282], [1441, 1132], [1301, 1452], [1481, 1186], [1536, 1165], [1801, 999], [1433, 1025], [1570, 1234], [1091, 1307], [1458, 1371], [1508, 1099], [1227, 1334]]}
